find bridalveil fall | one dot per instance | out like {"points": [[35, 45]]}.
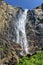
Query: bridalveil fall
{"points": [[20, 31]]}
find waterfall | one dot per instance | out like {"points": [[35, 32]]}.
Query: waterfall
{"points": [[21, 33]]}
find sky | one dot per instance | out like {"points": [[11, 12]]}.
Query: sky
{"points": [[25, 4]]}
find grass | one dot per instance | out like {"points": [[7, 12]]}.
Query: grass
{"points": [[36, 59]]}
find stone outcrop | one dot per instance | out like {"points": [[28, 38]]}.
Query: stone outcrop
{"points": [[9, 50]]}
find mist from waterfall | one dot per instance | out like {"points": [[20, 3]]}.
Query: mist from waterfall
{"points": [[20, 31]]}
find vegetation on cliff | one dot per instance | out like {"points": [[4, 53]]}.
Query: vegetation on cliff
{"points": [[36, 59]]}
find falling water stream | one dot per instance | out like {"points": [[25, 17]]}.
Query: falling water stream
{"points": [[21, 33]]}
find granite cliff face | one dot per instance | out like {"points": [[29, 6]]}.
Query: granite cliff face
{"points": [[8, 50], [9, 47], [34, 29]]}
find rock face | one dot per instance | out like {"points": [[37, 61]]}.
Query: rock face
{"points": [[34, 29], [9, 48]]}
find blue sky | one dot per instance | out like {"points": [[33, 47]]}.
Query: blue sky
{"points": [[29, 4]]}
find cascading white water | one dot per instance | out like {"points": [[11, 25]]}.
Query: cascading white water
{"points": [[21, 33]]}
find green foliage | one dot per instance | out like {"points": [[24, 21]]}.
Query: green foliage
{"points": [[1, 49], [33, 60]]}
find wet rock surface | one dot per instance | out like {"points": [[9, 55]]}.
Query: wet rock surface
{"points": [[9, 50]]}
